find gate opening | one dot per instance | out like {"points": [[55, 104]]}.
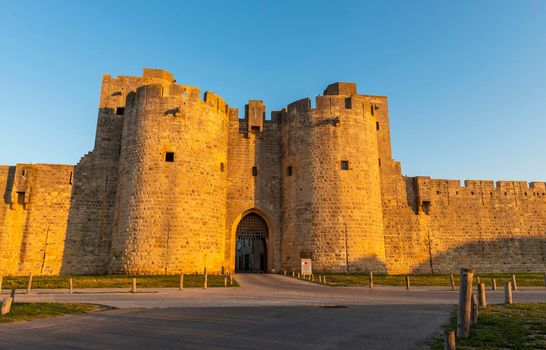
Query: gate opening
{"points": [[251, 246]]}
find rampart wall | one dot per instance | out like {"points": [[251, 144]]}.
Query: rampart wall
{"points": [[171, 174], [491, 226], [33, 217]]}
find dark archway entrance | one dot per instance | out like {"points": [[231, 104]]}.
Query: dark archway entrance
{"points": [[251, 245]]}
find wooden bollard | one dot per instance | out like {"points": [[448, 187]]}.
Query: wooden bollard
{"points": [[181, 282], [474, 309], [230, 279], [205, 285], [70, 286], [407, 282], [478, 280], [6, 305], [29, 285], [298, 275], [371, 279], [493, 284], [449, 340], [313, 278], [320, 278], [507, 292], [481, 295], [285, 272], [225, 281], [452, 280], [514, 285], [133, 288], [324, 279], [465, 303], [293, 274]]}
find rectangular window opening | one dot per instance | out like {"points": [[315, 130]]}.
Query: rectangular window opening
{"points": [[376, 125], [426, 207], [169, 157], [222, 167], [254, 171], [289, 171], [21, 198], [120, 111], [344, 165]]}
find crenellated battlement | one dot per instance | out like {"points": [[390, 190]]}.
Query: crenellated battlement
{"points": [[337, 97], [481, 184], [434, 192], [121, 94]]}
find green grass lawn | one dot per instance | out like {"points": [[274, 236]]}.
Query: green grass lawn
{"points": [[516, 326], [114, 281], [30, 311], [362, 279]]}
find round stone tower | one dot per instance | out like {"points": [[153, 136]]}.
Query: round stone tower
{"points": [[332, 208], [171, 199]]}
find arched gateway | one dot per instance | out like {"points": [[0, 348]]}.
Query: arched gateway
{"points": [[251, 244]]}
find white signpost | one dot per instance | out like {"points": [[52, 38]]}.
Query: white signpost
{"points": [[306, 267]]}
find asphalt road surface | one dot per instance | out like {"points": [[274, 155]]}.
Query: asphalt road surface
{"points": [[267, 312]]}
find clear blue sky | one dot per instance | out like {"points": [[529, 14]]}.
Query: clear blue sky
{"points": [[466, 80]]}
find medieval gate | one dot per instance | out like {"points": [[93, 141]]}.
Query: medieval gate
{"points": [[251, 245]]}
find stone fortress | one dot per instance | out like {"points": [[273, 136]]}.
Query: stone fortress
{"points": [[177, 183]]}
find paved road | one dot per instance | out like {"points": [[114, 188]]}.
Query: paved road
{"points": [[300, 327], [270, 290], [267, 312]]}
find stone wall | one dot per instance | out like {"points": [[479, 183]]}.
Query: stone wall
{"points": [[436, 226], [331, 183], [254, 142], [491, 227], [33, 217], [171, 175], [171, 212], [91, 218]]}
